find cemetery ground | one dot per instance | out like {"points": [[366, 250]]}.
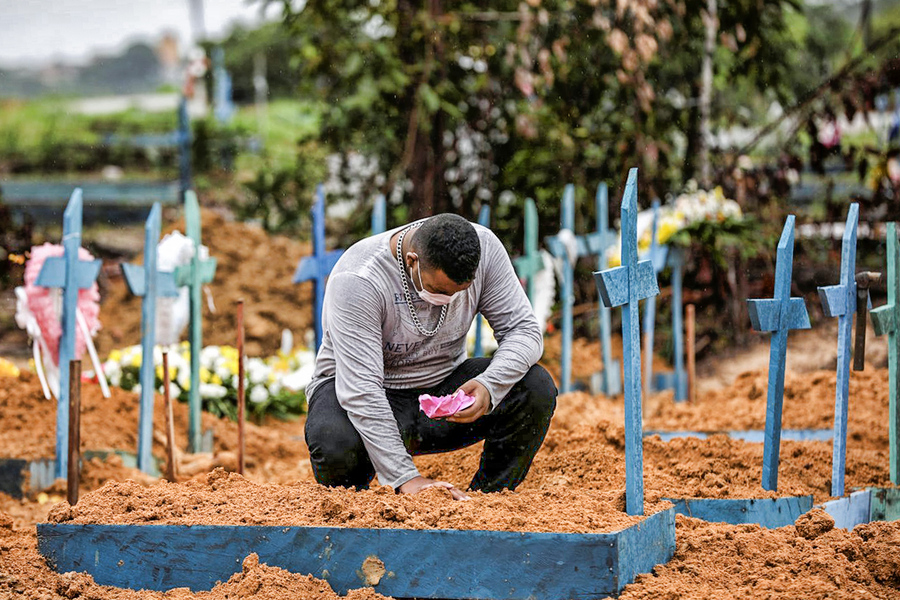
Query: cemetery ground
{"points": [[576, 483]]}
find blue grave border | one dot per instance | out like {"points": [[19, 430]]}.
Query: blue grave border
{"points": [[417, 563]]}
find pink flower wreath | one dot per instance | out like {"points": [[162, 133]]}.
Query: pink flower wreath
{"points": [[42, 301]]}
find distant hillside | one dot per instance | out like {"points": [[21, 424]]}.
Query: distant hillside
{"points": [[135, 70]]}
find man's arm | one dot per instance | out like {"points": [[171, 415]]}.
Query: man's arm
{"points": [[505, 305], [352, 319]]}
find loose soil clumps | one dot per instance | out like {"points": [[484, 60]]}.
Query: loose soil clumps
{"points": [[715, 560], [222, 498]]}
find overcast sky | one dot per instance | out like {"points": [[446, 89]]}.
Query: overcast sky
{"points": [[40, 31]]}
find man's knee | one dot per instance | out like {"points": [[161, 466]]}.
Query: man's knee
{"points": [[337, 454], [540, 390]]}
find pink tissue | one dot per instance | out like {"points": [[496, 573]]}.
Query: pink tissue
{"points": [[444, 406]]}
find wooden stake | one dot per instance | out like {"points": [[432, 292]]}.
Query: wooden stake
{"points": [[691, 353], [74, 471], [171, 470], [240, 385]]}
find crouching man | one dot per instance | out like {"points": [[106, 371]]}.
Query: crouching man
{"points": [[398, 306]]}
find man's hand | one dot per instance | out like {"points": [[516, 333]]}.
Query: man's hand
{"points": [[481, 405], [419, 483]]}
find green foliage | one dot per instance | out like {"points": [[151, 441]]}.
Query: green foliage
{"points": [[47, 136], [467, 104], [279, 197]]}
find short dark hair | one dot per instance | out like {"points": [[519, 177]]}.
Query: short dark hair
{"points": [[449, 243]]}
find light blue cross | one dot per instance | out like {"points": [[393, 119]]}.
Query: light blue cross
{"points": [[484, 219], [318, 266], [840, 301], [567, 295], [626, 286], [379, 215], [657, 256], [71, 274], [148, 282], [778, 315]]}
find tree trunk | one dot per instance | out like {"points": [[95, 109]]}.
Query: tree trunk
{"points": [[711, 20]]}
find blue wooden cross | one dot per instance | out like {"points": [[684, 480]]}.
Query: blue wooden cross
{"points": [[484, 219], [70, 274], [194, 274], [223, 106], [778, 315], [840, 301], [318, 266], [531, 262], [379, 215], [610, 381], [148, 282], [626, 286], [558, 249], [886, 319], [184, 149], [657, 255]]}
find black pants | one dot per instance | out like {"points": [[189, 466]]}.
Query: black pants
{"points": [[513, 432]]}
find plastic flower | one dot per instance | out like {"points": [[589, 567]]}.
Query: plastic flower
{"points": [[258, 394], [7, 369], [212, 390]]}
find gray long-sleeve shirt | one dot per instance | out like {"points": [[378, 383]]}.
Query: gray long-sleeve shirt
{"points": [[371, 343]]}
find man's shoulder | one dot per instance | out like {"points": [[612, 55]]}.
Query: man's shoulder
{"points": [[491, 246], [361, 257]]}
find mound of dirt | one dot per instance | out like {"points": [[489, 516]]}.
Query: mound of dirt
{"points": [[808, 404], [714, 560], [223, 498], [251, 265], [274, 451]]}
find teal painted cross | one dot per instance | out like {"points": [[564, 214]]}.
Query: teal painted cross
{"points": [[626, 286], [379, 215], [194, 275], [657, 255], [676, 263], [318, 266], [484, 219], [677, 379], [886, 319], [558, 249], [840, 301], [148, 282], [610, 380], [530, 263], [70, 274], [778, 315]]}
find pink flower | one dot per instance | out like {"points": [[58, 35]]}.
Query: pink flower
{"points": [[444, 406]]}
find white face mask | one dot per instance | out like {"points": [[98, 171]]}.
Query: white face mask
{"points": [[429, 297]]}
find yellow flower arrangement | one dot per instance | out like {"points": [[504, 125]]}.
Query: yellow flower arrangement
{"points": [[692, 207]]}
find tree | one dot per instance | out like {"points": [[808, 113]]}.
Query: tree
{"points": [[463, 106], [449, 96]]}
